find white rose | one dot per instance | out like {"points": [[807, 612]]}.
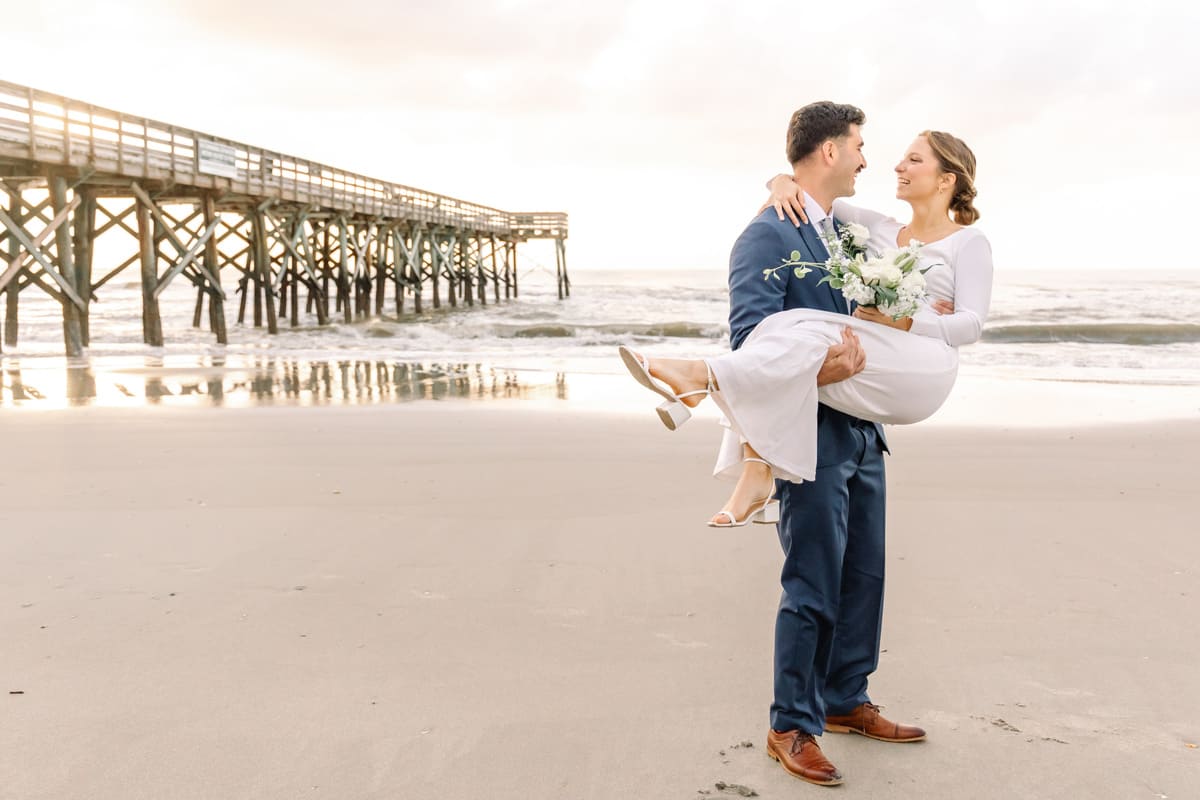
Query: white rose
{"points": [[871, 269], [890, 275], [913, 282], [858, 233]]}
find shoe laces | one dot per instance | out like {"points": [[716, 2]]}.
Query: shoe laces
{"points": [[799, 741]]}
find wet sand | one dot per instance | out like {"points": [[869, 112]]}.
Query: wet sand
{"points": [[462, 601]]}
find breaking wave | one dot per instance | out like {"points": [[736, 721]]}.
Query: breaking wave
{"points": [[1129, 333]]}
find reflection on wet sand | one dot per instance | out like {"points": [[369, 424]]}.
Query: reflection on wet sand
{"points": [[15, 387], [270, 381], [81, 385], [369, 382]]}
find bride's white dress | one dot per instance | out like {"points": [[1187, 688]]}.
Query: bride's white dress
{"points": [[768, 387]]}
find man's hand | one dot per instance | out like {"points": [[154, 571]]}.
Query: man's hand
{"points": [[843, 360], [943, 306], [787, 197]]}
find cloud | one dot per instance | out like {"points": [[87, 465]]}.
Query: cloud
{"points": [[453, 53], [645, 110]]}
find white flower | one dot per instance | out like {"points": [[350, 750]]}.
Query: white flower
{"points": [[870, 270], [913, 282], [858, 233], [882, 271], [862, 278], [854, 289]]}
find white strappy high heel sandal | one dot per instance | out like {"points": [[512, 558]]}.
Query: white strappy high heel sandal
{"points": [[673, 412], [765, 513]]}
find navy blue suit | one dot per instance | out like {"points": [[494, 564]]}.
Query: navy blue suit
{"points": [[831, 528]]}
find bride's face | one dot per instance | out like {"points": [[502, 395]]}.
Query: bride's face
{"points": [[919, 176]]}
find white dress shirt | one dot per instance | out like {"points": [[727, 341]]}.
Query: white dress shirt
{"points": [[815, 213], [816, 219]]}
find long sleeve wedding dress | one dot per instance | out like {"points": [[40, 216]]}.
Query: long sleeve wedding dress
{"points": [[768, 387]]}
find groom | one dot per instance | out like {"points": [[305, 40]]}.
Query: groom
{"points": [[831, 528]]}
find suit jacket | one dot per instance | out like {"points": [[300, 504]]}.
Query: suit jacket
{"points": [[763, 244]]}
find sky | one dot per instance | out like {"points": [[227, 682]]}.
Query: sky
{"points": [[656, 124]]}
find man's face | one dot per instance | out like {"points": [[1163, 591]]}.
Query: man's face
{"points": [[848, 161]]}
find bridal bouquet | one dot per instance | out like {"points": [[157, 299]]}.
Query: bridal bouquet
{"points": [[889, 281]]}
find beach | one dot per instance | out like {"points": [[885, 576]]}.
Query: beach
{"points": [[321, 476], [463, 600]]}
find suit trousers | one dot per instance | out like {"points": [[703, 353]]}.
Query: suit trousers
{"points": [[828, 626]]}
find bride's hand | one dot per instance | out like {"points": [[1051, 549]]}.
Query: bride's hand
{"points": [[787, 197], [874, 315]]}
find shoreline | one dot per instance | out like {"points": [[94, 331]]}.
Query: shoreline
{"points": [[979, 399]]}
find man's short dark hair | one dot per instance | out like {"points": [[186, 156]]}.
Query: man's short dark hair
{"points": [[816, 122]]}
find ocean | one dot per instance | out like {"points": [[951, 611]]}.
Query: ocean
{"points": [[1121, 328]]}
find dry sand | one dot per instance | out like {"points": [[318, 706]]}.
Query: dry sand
{"points": [[467, 602]]}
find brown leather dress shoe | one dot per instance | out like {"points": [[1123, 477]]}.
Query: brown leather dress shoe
{"points": [[800, 755], [867, 721]]}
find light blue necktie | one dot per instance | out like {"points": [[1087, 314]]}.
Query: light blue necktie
{"points": [[829, 233], [827, 229]]}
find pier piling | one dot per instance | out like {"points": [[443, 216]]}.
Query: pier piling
{"points": [[193, 205]]}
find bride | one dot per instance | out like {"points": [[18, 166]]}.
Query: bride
{"points": [[768, 388]]}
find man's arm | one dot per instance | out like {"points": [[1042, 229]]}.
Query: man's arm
{"points": [[754, 296]]}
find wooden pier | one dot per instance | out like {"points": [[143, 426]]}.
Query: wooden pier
{"points": [[295, 240]]}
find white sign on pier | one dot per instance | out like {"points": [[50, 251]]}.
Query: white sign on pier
{"points": [[214, 158]]}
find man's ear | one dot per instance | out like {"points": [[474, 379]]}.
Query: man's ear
{"points": [[829, 151]]}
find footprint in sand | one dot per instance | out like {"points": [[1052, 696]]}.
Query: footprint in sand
{"points": [[669, 639]]}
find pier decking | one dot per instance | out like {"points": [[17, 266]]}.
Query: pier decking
{"points": [[302, 241]]}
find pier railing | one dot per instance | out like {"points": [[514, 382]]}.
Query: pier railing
{"points": [[195, 206], [37, 126]]}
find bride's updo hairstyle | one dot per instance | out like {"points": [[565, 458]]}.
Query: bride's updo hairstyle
{"points": [[958, 160]]}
